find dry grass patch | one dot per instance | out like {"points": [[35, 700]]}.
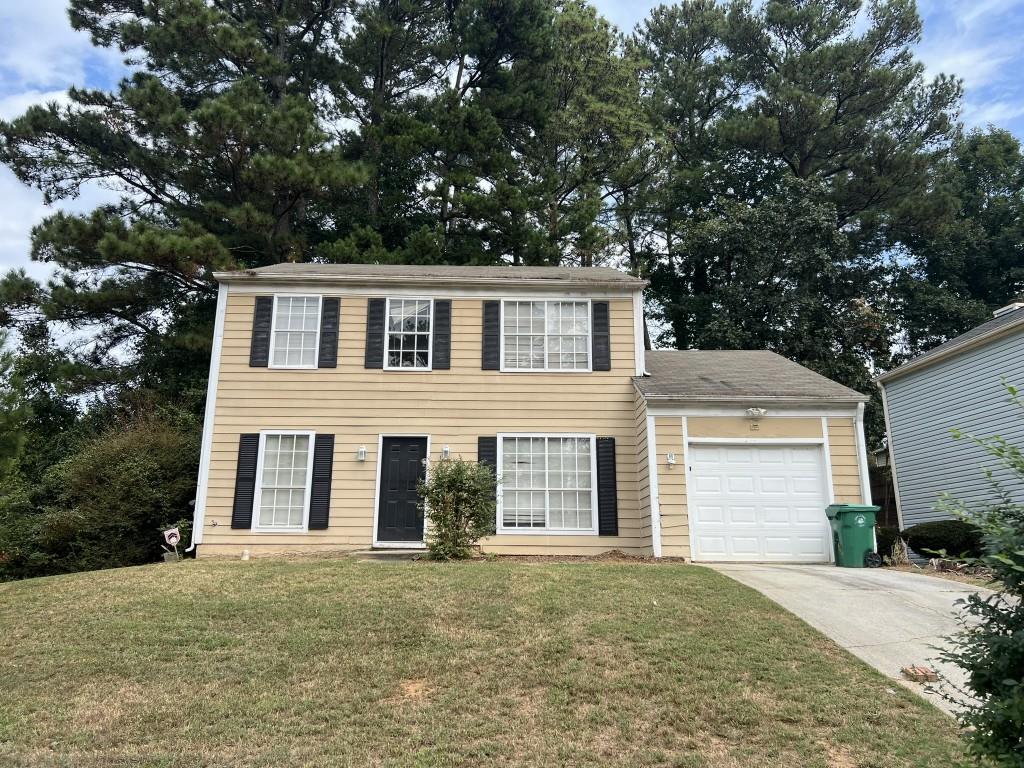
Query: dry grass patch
{"points": [[339, 662]]}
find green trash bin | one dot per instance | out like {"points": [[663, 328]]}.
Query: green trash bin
{"points": [[853, 535]]}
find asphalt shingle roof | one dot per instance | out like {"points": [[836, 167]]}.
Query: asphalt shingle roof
{"points": [[748, 375], [584, 275]]}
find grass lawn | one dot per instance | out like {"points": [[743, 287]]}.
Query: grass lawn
{"points": [[339, 662]]}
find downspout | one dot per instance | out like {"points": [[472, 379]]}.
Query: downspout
{"points": [[862, 455], [199, 513]]}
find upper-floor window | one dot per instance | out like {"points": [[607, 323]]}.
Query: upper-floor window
{"points": [[546, 335], [295, 332], [409, 333]]}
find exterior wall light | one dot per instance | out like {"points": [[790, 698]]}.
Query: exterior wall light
{"points": [[756, 413], [671, 459], [361, 453], [446, 452]]}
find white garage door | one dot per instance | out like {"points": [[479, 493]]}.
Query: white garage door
{"points": [[758, 503]]}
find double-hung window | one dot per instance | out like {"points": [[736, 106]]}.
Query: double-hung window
{"points": [[295, 333], [409, 329], [546, 336], [547, 483], [283, 481]]}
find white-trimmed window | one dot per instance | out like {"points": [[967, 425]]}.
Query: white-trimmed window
{"points": [[547, 483], [295, 333], [283, 481], [410, 323], [545, 335]]}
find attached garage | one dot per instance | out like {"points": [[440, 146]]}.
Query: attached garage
{"points": [[758, 503], [748, 450]]}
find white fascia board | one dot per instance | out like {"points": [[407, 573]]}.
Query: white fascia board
{"points": [[206, 449]]}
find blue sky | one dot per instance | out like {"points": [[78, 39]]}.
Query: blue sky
{"points": [[41, 56]]}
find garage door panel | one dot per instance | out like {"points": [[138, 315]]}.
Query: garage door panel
{"points": [[759, 502]]}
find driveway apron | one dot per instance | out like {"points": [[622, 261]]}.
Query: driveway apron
{"points": [[890, 619]]}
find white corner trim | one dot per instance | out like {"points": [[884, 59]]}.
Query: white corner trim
{"points": [[892, 457], [831, 490], [638, 333], [862, 455], [652, 483], [206, 449]]}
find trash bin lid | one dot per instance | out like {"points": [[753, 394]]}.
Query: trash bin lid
{"points": [[834, 510]]}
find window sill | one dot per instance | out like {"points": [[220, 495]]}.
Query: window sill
{"points": [[291, 531], [543, 532], [548, 370], [293, 367]]}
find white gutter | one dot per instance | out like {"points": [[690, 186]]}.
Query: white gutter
{"points": [[862, 455], [627, 285], [199, 513]]}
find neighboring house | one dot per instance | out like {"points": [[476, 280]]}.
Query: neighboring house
{"points": [[333, 387], [956, 385]]}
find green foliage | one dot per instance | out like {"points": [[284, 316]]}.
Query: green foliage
{"points": [[458, 500], [955, 538], [105, 504], [990, 647]]}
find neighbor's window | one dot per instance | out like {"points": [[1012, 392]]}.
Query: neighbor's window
{"points": [[547, 483], [284, 481], [546, 335], [409, 333], [295, 331]]}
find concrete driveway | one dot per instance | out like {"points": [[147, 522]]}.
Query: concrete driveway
{"points": [[888, 618]]}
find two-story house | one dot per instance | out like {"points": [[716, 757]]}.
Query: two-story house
{"points": [[333, 387]]}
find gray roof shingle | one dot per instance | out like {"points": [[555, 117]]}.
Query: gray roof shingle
{"points": [[440, 272], [747, 375], [1004, 322]]}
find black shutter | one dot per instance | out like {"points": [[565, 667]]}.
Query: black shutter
{"points": [[320, 489], [245, 481], [262, 317], [491, 357], [607, 502], [374, 357], [601, 337], [442, 353], [330, 313], [487, 454]]}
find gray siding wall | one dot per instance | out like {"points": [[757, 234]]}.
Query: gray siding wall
{"points": [[963, 392]]}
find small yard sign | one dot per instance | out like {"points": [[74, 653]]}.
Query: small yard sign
{"points": [[172, 536]]}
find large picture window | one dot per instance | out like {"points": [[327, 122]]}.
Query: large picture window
{"points": [[295, 332], [409, 327], [547, 483], [546, 335], [286, 462]]}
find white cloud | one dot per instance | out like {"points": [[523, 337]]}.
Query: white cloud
{"points": [[40, 50], [994, 112], [14, 104]]}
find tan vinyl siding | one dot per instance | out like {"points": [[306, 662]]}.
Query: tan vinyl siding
{"points": [[454, 407], [739, 426], [675, 531], [843, 455]]}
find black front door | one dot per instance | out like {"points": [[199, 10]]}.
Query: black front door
{"points": [[399, 517]]}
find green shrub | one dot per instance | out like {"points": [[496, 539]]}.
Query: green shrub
{"points": [[955, 538], [106, 505], [458, 500], [990, 646], [886, 536]]}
